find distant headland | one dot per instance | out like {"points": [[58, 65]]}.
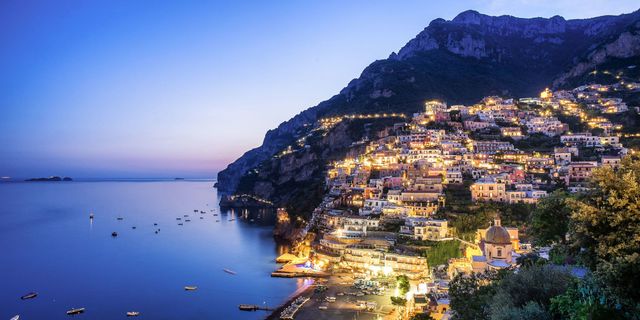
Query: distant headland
{"points": [[52, 178]]}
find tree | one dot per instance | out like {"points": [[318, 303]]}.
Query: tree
{"points": [[469, 295], [527, 294], [585, 300], [403, 284], [422, 316], [398, 301], [529, 260], [606, 228], [550, 221]]}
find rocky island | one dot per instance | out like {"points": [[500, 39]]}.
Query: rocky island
{"points": [[50, 179]]}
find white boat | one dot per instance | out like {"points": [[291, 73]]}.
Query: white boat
{"points": [[190, 288], [75, 311], [16, 317], [229, 271], [133, 314]]}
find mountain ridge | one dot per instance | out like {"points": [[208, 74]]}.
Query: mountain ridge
{"points": [[460, 61]]}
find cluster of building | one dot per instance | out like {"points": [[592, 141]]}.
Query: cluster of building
{"points": [[394, 187]]}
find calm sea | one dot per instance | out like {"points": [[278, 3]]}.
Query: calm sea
{"points": [[49, 245]]}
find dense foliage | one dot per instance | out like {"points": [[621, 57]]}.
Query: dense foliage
{"points": [[442, 251], [403, 284], [599, 229], [605, 230]]}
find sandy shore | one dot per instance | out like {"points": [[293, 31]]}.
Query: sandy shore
{"points": [[302, 291]]}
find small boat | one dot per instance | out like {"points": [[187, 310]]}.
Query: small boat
{"points": [[187, 220], [114, 234], [178, 218], [133, 314], [186, 215], [75, 311], [91, 216], [29, 295], [156, 231], [229, 271], [180, 224], [195, 210], [232, 219], [201, 218], [120, 218], [16, 317], [133, 227], [190, 288], [217, 220], [155, 224]]}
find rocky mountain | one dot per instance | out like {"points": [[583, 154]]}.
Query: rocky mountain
{"points": [[459, 61]]}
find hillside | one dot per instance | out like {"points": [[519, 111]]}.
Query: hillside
{"points": [[459, 61]]}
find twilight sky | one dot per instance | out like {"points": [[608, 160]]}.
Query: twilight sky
{"points": [[141, 89]]}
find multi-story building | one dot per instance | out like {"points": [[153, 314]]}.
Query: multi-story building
{"points": [[511, 132], [487, 189], [491, 147], [425, 229]]}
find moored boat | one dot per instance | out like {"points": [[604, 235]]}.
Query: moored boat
{"points": [[229, 271], [29, 295], [75, 311]]}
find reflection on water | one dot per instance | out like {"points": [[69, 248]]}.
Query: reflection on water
{"points": [[259, 216], [47, 247]]}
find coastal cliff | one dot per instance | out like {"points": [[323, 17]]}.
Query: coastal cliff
{"points": [[459, 61]]}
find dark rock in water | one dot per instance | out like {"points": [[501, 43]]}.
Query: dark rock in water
{"points": [[52, 178]]}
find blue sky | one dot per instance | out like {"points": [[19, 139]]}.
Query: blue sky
{"points": [[162, 89]]}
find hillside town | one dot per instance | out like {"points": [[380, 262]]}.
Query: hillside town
{"points": [[386, 216]]}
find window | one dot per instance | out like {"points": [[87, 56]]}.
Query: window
{"points": [[499, 253]]}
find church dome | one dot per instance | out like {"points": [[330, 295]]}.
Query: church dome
{"points": [[497, 235]]}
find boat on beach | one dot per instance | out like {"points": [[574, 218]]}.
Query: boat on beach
{"points": [[229, 271], [75, 311], [133, 314], [29, 295]]}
